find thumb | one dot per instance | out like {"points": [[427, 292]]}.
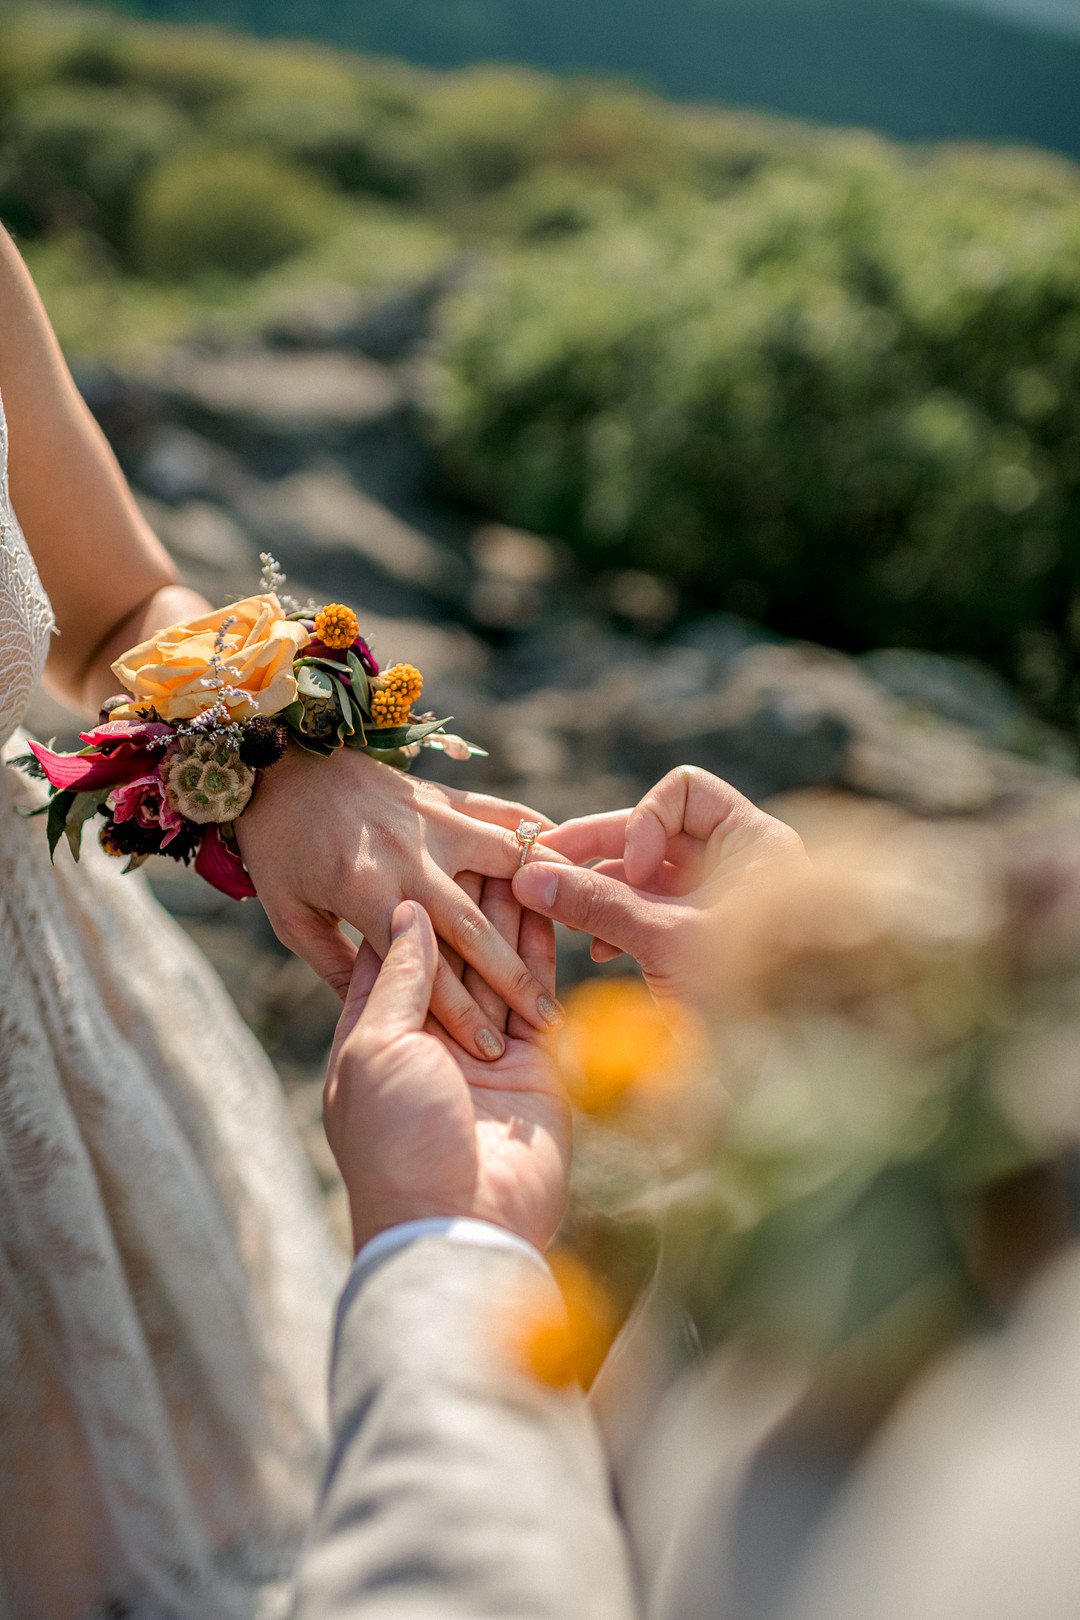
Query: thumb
{"points": [[398, 1001], [366, 969], [594, 904]]}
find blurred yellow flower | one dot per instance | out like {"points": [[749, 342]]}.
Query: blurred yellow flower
{"points": [[564, 1341], [614, 1043]]}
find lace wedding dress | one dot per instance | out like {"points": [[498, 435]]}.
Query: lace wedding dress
{"points": [[165, 1280]]}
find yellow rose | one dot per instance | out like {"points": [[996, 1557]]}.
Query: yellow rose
{"points": [[168, 671]]}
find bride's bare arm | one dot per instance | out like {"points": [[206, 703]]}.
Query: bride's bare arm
{"points": [[110, 581]]}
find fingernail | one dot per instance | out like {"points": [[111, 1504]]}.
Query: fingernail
{"points": [[489, 1043], [403, 919], [541, 885], [550, 1011]]}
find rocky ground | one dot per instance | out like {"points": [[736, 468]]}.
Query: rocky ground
{"points": [[309, 445]]}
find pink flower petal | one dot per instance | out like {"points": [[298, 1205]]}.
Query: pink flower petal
{"points": [[87, 771], [221, 866], [138, 733], [144, 799]]}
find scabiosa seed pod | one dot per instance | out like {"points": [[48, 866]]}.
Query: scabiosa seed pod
{"points": [[263, 743], [205, 779]]}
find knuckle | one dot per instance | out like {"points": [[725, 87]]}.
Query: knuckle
{"points": [[785, 841], [341, 871], [520, 984], [339, 982], [591, 897], [469, 932]]}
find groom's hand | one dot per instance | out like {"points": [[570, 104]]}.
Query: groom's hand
{"points": [[417, 1125], [664, 872]]}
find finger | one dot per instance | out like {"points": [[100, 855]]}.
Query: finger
{"points": [[598, 905], [667, 880], [589, 838], [398, 1001], [601, 951], [462, 1019], [492, 851], [468, 931], [365, 971], [322, 945], [536, 946], [500, 812], [504, 914], [686, 800], [472, 884]]}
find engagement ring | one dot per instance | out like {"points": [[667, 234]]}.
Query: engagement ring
{"points": [[525, 837]]}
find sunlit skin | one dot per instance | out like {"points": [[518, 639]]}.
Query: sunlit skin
{"points": [[419, 1127], [663, 873]]}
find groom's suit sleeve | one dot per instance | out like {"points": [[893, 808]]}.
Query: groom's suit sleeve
{"points": [[456, 1488]]}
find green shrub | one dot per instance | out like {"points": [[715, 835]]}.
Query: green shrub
{"points": [[851, 403], [480, 129], [345, 137], [232, 213], [74, 155], [194, 70]]}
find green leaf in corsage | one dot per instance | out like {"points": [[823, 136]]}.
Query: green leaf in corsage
{"points": [[391, 737], [359, 683], [59, 805], [82, 808], [324, 717]]}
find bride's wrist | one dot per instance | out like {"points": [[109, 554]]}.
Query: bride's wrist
{"points": [[215, 704]]}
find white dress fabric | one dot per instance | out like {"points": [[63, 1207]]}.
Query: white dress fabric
{"points": [[166, 1282]]}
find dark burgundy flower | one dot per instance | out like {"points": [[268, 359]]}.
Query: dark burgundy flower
{"points": [[264, 741], [144, 801]]}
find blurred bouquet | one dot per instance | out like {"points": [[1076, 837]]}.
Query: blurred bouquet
{"points": [[861, 1149]]}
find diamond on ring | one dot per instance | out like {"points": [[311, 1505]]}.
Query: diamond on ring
{"points": [[525, 837]]}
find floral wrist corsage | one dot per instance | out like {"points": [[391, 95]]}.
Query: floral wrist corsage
{"points": [[210, 705]]}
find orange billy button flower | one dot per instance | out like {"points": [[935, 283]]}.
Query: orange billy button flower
{"points": [[336, 625], [393, 694], [614, 1045], [564, 1341]]}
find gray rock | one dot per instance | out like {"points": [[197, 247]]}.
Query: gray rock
{"points": [[302, 393], [645, 603], [176, 464], [320, 510], [967, 694], [723, 636], [566, 650], [384, 328], [517, 575], [216, 555]]}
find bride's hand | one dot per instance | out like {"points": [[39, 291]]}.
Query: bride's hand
{"points": [[350, 838]]}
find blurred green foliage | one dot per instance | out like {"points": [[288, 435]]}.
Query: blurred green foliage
{"points": [[845, 402], [228, 213], [815, 378]]}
